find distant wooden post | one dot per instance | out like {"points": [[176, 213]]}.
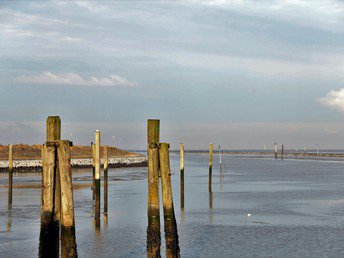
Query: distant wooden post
{"points": [[153, 229], [106, 162], [93, 172], [182, 175], [10, 173], [282, 152], [68, 243], [210, 166], [97, 177], [50, 209], [170, 224], [276, 156]]}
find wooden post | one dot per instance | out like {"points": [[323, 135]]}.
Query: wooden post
{"points": [[276, 156], [10, 173], [50, 209], [282, 152], [97, 177], [106, 162], [170, 224], [153, 229], [68, 243], [210, 166], [182, 175], [93, 171]]}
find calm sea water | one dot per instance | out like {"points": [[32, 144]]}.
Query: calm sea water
{"points": [[296, 207]]}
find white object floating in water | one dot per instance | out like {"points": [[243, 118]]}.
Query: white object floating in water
{"points": [[248, 214]]}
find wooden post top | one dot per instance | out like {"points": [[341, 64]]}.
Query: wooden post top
{"points": [[153, 128], [53, 128]]}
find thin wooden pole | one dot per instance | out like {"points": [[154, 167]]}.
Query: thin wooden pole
{"points": [[170, 224], [106, 162], [68, 243], [10, 173], [182, 175], [210, 166], [93, 172], [282, 152], [153, 229], [97, 177], [275, 150]]}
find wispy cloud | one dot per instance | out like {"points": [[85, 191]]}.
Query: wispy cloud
{"points": [[327, 15], [334, 100], [74, 79]]}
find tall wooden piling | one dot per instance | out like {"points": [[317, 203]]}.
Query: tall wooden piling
{"points": [[50, 208], [170, 224], [68, 243], [182, 175], [97, 177], [106, 162], [210, 166], [275, 151], [282, 152], [153, 229], [10, 173]]}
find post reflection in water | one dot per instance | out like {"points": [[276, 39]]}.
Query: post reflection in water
{"points": [[96, 224], [211, 216], [105, 221], [182, 216], [9, 219]]}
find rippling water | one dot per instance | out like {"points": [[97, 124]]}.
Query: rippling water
{"points": [[296, 207]]}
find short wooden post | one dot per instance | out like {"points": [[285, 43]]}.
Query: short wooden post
{"points": [[210, 166], [282, 152], [153, 229], [50, 208], [97, 177], [276, 156], [93, 171], [106, 162], [10, 173], [182, 175], [68, 243], [170, 224]]}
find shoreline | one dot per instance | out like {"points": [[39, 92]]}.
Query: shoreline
{"points": [[114, 162]]}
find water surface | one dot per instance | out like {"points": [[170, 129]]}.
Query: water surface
{"points": [[296, 208]]}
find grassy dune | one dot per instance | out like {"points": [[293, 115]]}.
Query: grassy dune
{"points": [[31, 152]]}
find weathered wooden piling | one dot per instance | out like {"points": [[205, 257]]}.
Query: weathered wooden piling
{"points": [[210, 166], [50, 208], [68, 243], [97, 177], [153, 229], [182, 175], [106, 162], [49, 231], [10, 173], [93, 171], [170, 224], [275, 150], [282, 152]]}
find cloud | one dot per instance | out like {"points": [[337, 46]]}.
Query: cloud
{"points": [[74, 79], [334, 100], [326, 15]]}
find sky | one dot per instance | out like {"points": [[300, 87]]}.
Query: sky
{"points": [[241, 74]]}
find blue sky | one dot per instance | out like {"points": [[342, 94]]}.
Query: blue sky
{"points": [[241, 74]]}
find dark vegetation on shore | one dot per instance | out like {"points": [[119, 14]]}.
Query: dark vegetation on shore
{"points": [[33, 152]]}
